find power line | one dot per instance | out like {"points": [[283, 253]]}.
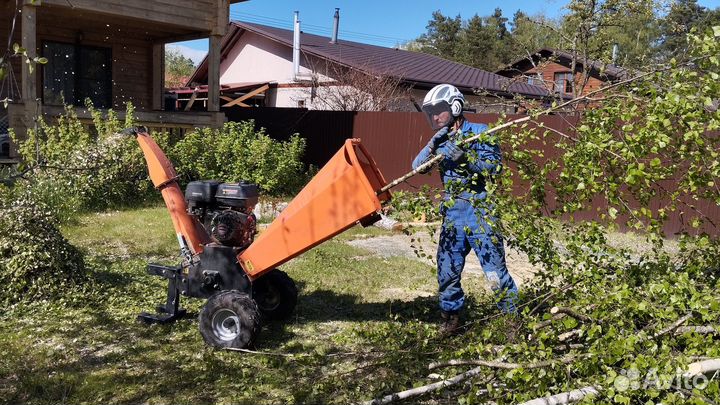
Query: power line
{"points": [[314, 29]]}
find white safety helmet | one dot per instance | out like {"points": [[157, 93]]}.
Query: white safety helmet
{"points": [[442, 104]]}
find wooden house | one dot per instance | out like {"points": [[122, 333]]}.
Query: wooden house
{"points": [[110, 51], [553, 70]]}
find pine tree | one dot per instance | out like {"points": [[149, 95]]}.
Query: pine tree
{"points": [[442, 37]]}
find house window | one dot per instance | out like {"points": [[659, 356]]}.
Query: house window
{"points": [[563, 82], [77, 72], [535, 81]]}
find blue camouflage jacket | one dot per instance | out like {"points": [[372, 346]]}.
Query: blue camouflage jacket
{"points": [[480, 158]]}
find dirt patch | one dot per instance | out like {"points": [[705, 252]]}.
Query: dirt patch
{"points": [[421, 246]]}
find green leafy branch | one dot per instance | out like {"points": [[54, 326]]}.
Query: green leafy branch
{"points": [[598, 312]]}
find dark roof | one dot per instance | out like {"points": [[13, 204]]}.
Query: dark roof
{"points": [[415, 68], [598, 69]]}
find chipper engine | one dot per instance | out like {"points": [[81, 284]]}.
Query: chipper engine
{"points": [[215, 227]]}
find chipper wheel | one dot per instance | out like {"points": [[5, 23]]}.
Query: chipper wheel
{"points": [[229, 319], [275, 294]]}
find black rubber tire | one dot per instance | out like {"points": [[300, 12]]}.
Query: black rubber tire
{"points": [[229, 319], [275, 294]]}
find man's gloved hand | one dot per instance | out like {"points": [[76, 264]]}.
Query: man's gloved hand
{"points": [[437, 139], [451, 151]]}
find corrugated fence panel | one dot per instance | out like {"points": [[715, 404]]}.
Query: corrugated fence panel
{"points": [[394, 139], [325, 131]]}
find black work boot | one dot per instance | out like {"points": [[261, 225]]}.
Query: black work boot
{"points": [[450, 323]]}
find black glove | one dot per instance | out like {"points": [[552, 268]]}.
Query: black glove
{"points": [[451, 151], [437, 139]]}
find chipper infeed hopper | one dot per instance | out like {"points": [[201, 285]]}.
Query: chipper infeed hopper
{"points": [[215, 227], [341, 195]]}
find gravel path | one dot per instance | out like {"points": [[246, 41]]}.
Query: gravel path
{"points": [[406, 246]]}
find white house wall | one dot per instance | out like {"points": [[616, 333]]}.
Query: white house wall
{"points": [[255, 58]]}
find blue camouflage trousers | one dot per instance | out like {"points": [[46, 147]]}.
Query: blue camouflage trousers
{"points": [[464, 230]]}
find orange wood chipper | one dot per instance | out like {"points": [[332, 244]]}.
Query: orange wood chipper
{"points": [[221, 261]]}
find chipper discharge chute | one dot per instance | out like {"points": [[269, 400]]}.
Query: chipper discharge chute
{"points": [[215, 227]]}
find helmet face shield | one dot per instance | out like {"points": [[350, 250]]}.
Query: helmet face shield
{"points": [[439, 114]]}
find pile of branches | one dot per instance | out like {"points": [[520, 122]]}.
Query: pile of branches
{"points": [[626, 335], [602, 323]]}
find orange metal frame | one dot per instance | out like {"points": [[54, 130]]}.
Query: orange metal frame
{"points": [[190, 233], [342, 194]]}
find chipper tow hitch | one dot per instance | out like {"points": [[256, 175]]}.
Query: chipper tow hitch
{"points": [[215, 228]]}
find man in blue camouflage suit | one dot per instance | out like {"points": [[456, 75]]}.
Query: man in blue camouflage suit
{"points": [[467, 221]]}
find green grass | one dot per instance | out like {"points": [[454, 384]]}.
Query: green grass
{"points": [[364, 326]]}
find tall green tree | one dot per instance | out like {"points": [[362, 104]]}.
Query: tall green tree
{"points": [[442, 37], [178, 68], [476, 45], [591, 28], [682, 17], [481, 42], [501, 46], [635, 35], [529, 34], [588, 30]]}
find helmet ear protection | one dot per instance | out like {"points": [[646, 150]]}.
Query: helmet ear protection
{"points": [[456, 108]]}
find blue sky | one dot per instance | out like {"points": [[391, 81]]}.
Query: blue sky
{"points": [[385, 23]]}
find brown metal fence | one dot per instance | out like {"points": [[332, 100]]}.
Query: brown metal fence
{"points": [[394, 138]]}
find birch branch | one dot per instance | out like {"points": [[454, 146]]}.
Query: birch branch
{"points": [[701, 330], [565, 397], [571, 312], [425, 388], [674, 326], [548, 110], [569, 335], [704, 367], [505, 365], [549, 322]]}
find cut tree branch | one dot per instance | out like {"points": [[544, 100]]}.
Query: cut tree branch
{"points": [[546, 323], [701, 330], [438, 158], [425, 388], [505, 365], [704, 367], [571, 312], [569, 335], [565, 397], [674, 326]]}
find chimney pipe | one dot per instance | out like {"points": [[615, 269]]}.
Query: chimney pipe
{"points": [[614, 54], [296, 46], [336, 22]]}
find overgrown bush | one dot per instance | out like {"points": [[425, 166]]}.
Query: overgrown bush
{"points": [[76, 168], [35, 258], [237, 152]]}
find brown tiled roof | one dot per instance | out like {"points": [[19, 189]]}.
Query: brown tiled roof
{"points": [[415, 68]]}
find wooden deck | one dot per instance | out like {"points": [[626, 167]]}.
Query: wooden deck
{"points": [[127, 37]]}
